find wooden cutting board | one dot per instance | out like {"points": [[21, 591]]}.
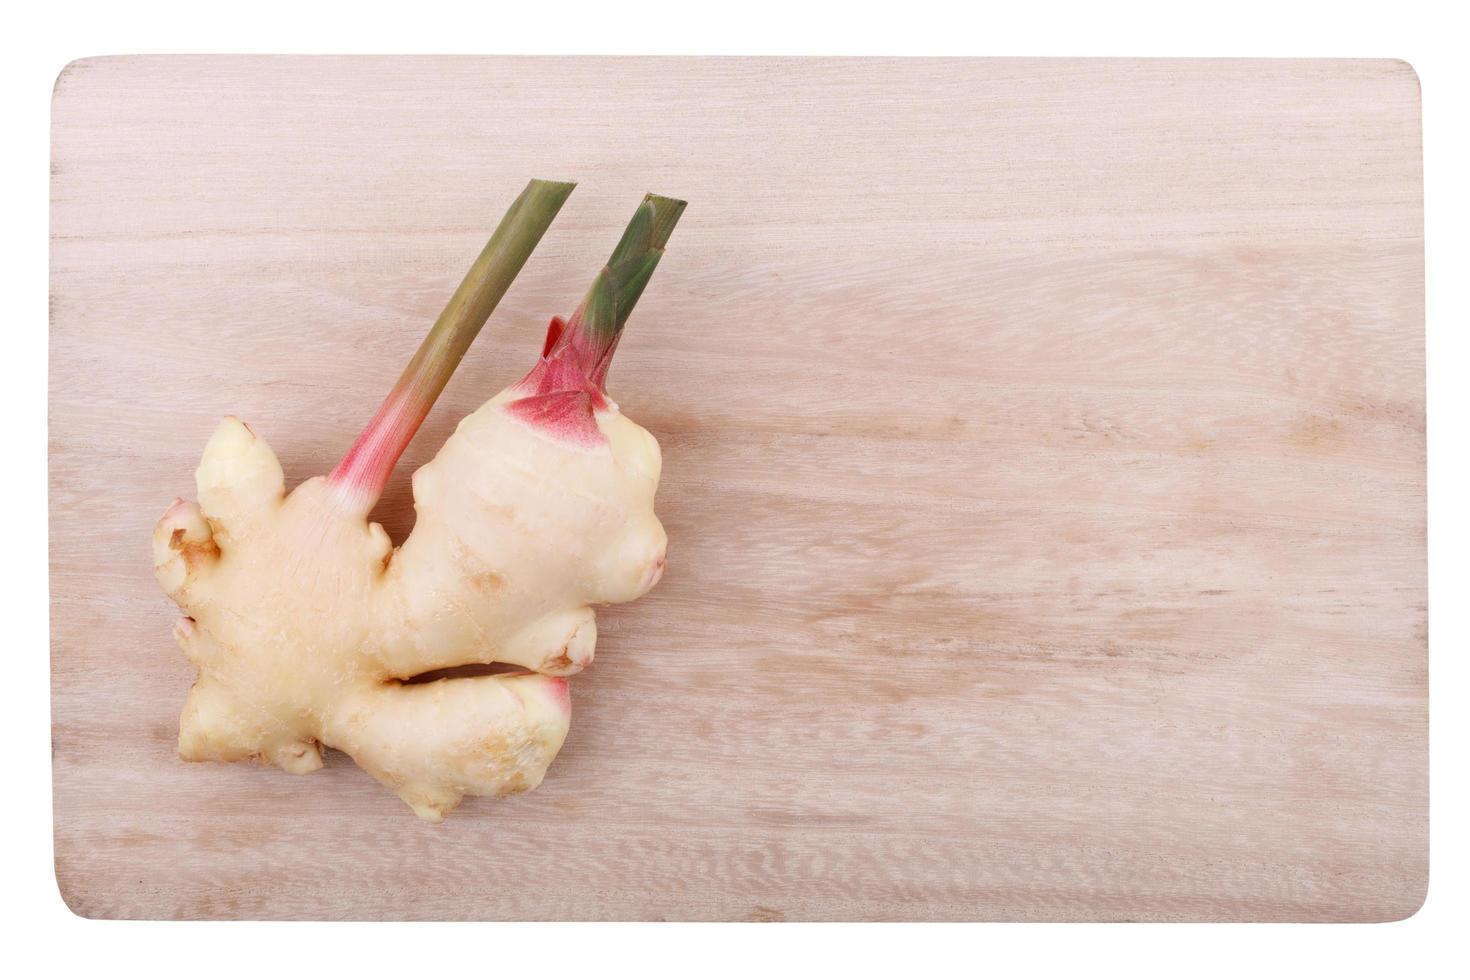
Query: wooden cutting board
{"points": [[1044, 469]]}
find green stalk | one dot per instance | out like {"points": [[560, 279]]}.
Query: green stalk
{"points": [[364, 471], [621, 282]]}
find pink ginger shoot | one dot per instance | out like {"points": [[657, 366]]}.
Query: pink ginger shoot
{"points": [[567, 385]]}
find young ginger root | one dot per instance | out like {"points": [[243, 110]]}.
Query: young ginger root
{"points": [[303, 619]]}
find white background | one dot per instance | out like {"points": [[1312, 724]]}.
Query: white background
{"points": [[40, 929]]}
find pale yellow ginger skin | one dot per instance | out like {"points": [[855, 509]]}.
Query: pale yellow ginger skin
{"points": [[303, 619]]}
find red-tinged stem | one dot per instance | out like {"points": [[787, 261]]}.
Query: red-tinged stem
{"points": [[598, 323], [363, 473], [582, 346], [566, 387]]}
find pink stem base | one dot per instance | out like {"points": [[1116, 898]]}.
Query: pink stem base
{"points": [[562, 393], [363, 472]]}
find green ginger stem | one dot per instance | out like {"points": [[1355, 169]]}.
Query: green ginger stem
{"points": [[364, 471]]}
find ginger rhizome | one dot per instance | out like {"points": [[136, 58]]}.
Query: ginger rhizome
{"points": [[305, 622]]}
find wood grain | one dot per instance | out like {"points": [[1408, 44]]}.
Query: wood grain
{"points": [[1044, 469]]}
